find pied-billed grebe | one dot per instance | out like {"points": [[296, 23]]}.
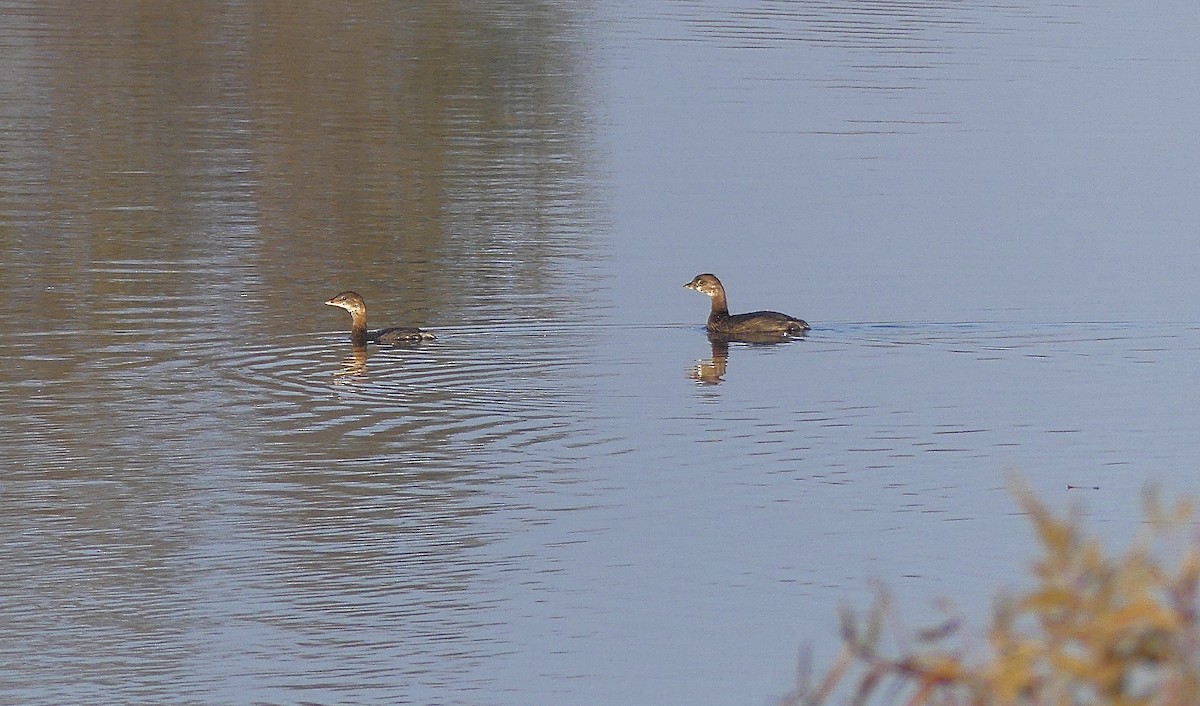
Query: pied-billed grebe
{"points": [[756, 324], [360, 336]]}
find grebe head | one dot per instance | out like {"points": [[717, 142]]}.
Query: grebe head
{"points": [[350, 301], [706, 284]]}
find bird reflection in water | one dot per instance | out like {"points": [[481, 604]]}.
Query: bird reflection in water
{"points": [[355, 365], [712, 370]]}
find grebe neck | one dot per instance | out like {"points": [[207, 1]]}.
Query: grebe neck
{"points": [[358, 328], [720, 308]]}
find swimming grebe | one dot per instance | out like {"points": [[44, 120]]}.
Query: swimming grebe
{"points": [[756, 324], [360, 336]]}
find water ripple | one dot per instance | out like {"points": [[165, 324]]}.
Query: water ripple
{"points": [[452, 390]]}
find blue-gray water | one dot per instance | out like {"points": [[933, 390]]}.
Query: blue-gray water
{"points": [[987, 213]]}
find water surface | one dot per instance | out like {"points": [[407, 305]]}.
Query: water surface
{"points": [[571, 496]]}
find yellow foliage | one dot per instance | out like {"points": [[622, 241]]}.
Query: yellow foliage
{"points": [[1094, 629]]}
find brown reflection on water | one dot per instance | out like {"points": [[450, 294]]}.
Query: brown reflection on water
{"points": [[354, 365], [431, 153], [189, 178], [183, 185], [460, 164], [712, 371]]}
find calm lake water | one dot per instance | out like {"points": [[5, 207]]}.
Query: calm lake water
{"points": [[986, 211]]}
